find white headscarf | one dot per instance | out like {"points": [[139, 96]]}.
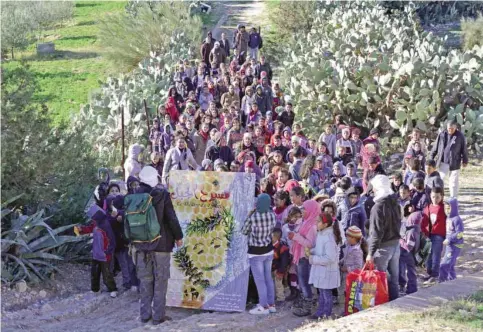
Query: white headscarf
{"points": [[381, 186]]}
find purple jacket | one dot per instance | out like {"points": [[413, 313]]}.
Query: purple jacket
{"points": [[353, 257], [410, 232], [254, 40], [104, 241], [454, 224], [419, 200]]}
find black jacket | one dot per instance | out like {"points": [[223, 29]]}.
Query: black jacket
{"points": [[170, 228], [457, 152], [221, 152], [384, 224], [226, 46]]}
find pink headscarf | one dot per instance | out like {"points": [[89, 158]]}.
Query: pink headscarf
{"points": [[311, 214]]}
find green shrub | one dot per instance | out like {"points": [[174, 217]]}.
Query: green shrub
{"points": [[53, 168], [472, 32], [147, 27], [28, 243], [381, 71]]}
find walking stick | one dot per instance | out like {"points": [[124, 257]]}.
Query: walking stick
{"points": [[147, 122], [122, 141]]}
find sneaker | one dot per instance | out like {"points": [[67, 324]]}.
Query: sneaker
{"points": [[134, 288], [431, 281], [259, 310], [272, 309], [113, 294]]}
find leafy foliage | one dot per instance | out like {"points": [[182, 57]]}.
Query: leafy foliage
{"points": [[22, 19], [380, 70], [183, 261], [52, 167], [147, 27], [472, 32], [28, 245], [150, 81], [205, 225]]}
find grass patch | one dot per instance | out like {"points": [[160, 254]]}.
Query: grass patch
{"points": [[459, 315], [66, 77]]}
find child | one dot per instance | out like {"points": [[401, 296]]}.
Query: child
{"points": [[342, 155], [433, 226], [352, 174], [103, 244], [297, 196], [404, 196], [416, 137], [413, 172], [329, 139], [397, 182], [409, 245], [324, 260], [433, 179], [294, 220], [356, 144], [419, 198], [280, 263], [417, 153], [302, 240], [353, 257], [356, 216], [281, 201], [454, 241], [282, 177], [121, 253]]}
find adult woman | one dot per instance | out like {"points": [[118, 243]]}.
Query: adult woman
{"points": [[304, 239], [178, 158], [258, 227]]}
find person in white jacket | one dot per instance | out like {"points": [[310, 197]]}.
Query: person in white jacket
{"points": [[178, 158], [324, 261]]}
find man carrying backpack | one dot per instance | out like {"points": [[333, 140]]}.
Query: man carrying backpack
{"points": [[153, 242]]}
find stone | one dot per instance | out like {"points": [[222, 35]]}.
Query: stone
{"points": [[21, 286], [43, 294], [46, 307]]}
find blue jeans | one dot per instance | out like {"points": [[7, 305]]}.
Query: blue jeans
{"points": [[261, 267], [325, 303], [434, 259], [386, 259], [446, 269], [128, 269], [407, 272], [303, 274]]}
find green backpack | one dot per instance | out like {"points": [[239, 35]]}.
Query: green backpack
{"points": [[141, 220]]}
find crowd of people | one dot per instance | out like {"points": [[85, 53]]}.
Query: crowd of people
{"points": [[324, 205]]}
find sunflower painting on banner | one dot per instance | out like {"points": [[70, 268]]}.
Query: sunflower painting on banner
{"points": [[210, 271]]}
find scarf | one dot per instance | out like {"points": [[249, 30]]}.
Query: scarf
{"points": [[204, 135], [312, 212]]}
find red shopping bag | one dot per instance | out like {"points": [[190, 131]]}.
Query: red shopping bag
{"points": [[364, 289]]}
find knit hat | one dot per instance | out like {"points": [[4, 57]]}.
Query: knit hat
{"points": [[263, 203], [218, 162], [354, 232], [149, 176], [374, 131]]}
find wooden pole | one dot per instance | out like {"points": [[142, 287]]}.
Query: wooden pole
{"points": [[122, 142], [147, 122]]}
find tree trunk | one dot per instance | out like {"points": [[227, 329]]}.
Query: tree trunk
{"points": [[12, 53]]}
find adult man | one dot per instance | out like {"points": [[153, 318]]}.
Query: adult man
{"points": [[152, 258], [225, 44], [450, 151], [254, 43], [242, 43], [205, 51], [218, 151], [263, 66], [384, 229], [217, 56]]}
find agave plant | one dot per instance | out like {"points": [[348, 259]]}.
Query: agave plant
{"points": [[382, 71], [28, 243]]}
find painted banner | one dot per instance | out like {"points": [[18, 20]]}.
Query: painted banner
{"points": [[210, 271]]}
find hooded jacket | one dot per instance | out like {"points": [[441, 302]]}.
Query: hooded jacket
{"points": [[287, 118], [263, 101], [167, 219], [103, 239], [178, 160], [132, 165], [355, 216], [384, 223], [254, 40], [410, 232], [454, 223]]}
